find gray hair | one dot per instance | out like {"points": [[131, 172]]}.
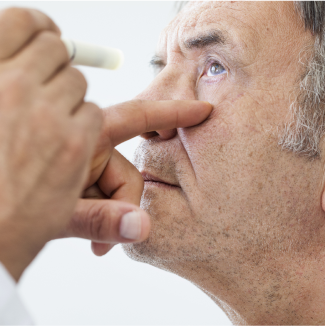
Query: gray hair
{"points": [[302, 135]]}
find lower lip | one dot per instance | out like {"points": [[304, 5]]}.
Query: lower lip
{"points": [[160, 185]]}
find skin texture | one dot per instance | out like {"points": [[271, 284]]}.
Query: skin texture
{"points": [[244, 219]]}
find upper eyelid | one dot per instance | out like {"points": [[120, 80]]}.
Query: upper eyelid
{"points": [[211, 60]]}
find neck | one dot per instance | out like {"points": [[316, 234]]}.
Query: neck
{"points": [[279, 291]]}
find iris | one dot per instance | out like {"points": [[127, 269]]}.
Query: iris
{"points": [[216, 69]]}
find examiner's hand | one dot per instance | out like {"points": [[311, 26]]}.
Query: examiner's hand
{"points": [[107, 222], [47, 135]]}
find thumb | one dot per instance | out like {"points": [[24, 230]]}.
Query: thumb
{"points": [[108, 222]]}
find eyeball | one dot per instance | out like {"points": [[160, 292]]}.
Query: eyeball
{"points": [[215, 69]]}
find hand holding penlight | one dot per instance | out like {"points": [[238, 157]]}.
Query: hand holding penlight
{"points": [[86, 54]]}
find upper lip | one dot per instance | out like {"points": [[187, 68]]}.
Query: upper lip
{"points": [[149, 177]]}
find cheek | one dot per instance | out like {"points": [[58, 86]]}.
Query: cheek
{"points": [[226, 153], [210, 151], [206, 137], [208, 144]]}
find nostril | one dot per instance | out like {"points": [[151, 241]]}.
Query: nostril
{"points": [[167, 134], [148, 135], [162, 134]]}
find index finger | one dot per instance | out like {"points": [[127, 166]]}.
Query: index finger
{"points": [[130, 119], [18, 26]]}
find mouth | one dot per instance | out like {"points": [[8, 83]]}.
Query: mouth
{"points": [[151, 180]]}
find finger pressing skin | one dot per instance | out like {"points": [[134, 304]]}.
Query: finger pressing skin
{"points": [[121, 180], [127, 120], [108, 221], [19, 26]]}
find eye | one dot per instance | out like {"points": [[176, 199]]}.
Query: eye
{"points": [[216, 69]]}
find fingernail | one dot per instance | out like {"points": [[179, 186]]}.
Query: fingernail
{"points": [[130, 227]]}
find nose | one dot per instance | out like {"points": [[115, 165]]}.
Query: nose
{"points": [[169, 84]]}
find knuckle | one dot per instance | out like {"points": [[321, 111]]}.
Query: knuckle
{"points": [[135, 105], [95, 115], [50, 39], [50, 42], [21, 17], [100, 225], [77, 78], [91, 121]]}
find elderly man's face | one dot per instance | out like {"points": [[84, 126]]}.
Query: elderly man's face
{"points": [[235, 198]]}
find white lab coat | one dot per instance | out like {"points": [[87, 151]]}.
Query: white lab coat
{"points": [[12, 310]]}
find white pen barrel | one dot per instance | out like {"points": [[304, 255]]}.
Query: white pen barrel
{"points": [[86, 54]]}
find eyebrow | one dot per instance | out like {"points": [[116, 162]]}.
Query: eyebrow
{"points": [[214, 37], [206, 39]]}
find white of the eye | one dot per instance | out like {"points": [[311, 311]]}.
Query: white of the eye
{"points": [[219, 71]]}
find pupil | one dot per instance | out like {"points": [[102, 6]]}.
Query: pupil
{"points": [[214, 68]]}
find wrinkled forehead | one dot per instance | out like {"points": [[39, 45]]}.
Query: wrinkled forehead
{"points": [[249, 25]]}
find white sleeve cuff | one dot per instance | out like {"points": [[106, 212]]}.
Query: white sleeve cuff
{"points": [[12, 311]]}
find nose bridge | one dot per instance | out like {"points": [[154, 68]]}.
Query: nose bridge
{"points": [[170, 84]]}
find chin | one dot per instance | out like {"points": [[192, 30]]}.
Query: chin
{"points": [[138, 252], [160, 249], [176, 236], [165, 221], [150, 251], [143, 253]]}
